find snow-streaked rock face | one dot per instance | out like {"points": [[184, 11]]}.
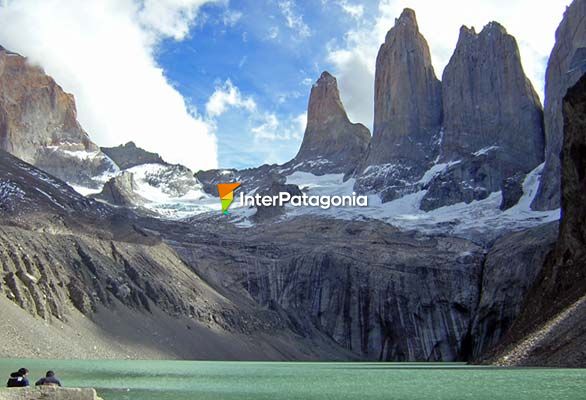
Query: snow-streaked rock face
{"points": [[331, 142], [38, 124], [486, 97], [567, 64]]}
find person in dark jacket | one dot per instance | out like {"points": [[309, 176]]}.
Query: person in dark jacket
{"points": [[18, 378], [49, 379]]}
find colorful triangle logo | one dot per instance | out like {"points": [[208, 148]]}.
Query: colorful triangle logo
{"points": [[226, 192]]}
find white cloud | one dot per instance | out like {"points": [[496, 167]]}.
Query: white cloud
{"points": [[294, 20], [533, 26], [353, 10], [270, 128], [273, 32], [103, 52], [231, 17], [226, 96], [171, 18]]}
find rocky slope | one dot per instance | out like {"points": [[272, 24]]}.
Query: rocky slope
{"points": [[486, 97], [38, 123], [331, 143], [64, 256], [567, 63], [551, 328], [309, 288], [407, 111]]}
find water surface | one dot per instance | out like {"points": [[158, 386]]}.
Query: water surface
{"points": [[183, 380]]}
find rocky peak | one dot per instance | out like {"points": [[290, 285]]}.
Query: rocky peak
{"points": [[130, 155], [566, 65], [407, 106], [324, 102], [407, 20], [38, 124], [331, 143], [486, 96], [493, 120]]}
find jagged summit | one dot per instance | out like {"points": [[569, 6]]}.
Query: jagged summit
{"points": [[486, 96], [130, 155], [331, 142], [407, 106], [492, 119], [407, 19]]}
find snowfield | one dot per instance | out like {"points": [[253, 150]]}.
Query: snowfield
{"points": [[174, 193], [460, 219]]}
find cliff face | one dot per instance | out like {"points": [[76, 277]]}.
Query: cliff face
{"points": [[407, 114], [551, 330], [488, 101], [407, 100], [493, 120], [511, 267], [567, 63], [38, 123], [390, 295], [331, 143]]}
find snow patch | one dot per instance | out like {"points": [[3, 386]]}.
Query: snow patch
{"points": [[485, 150]]}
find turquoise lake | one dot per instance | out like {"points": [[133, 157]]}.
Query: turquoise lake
{"points": [[193, 380]]}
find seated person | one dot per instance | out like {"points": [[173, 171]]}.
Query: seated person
{"points": [[18, 378], [49, 379]]}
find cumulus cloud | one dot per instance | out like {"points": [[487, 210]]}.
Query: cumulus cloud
{"points": [[354, 60], [228, 96], [103, 52]]}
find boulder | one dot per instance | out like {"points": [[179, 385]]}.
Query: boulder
{"points": [[48, 393]]}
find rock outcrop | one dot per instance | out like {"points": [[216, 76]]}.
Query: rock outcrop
{"points": [[269, 213], [38, 124], [407, 113], [129, 155], [48, 393], [493, 120], [551, 329], [121, 191], [512, 191], [567, 63], [331, 143]]}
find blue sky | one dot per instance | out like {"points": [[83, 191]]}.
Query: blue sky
{"points": [[273, 61], [210, 83]]}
